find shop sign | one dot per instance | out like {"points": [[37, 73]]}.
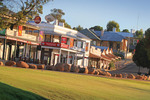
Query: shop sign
{"points": [[2, 32], [19, 30], [50, 44], [64, 45], [37, 19], [63, 40], [71, 43], [41, 36]]}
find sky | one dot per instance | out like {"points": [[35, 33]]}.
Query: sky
{"points": [[130, 14]]}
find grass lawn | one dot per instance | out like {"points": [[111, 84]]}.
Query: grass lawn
{"points": [[68, 86]]}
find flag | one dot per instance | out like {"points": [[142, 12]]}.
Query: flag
{"points": [[19, 30]]}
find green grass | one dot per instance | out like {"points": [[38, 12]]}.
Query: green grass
{"points": [[68, 86]]}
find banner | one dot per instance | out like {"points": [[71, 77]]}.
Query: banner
{"points": [[63, 40], [71, 43], [19, 30], [2, 32], [41, 36]]}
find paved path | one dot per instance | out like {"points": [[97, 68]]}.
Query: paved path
{"points": [[130, 68]]}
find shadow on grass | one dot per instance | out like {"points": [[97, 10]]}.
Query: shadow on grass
{"points": [[8, 92]]}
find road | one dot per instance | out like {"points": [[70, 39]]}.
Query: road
{"points": [[131, 68]]}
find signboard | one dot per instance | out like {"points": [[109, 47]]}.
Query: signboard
{"points": [[64, 45], [71, 43], [50, 44], [19, 30], [37, 19], [41, 36], [63, 40], [2, 32]]}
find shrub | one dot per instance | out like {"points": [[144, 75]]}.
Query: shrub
{"points": [[40, 66], [10, 63], [33, 66], [1, 63], [22, 64], [112, 65], [74, 69], [120, 55]]}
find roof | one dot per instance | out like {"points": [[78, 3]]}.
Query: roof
{"points": [[101, 47], [110, 36], [59, 30], [89, 34], [125, 34]]}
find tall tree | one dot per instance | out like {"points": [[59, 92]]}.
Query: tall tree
{"points": [[111, 25], [147, 42], [126, 30], [140, 57], [97, 28], [139, 33], [57, 14], [78, 28], [18, 11]]}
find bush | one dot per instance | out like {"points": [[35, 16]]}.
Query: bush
{"points": [[22, 64], [112, 65], [10, 63], [33, 66], [74, 69], [40, 66], [1, 63], [120, 55]]}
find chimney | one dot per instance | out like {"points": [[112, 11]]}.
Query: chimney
{"points": [[56, 22], [92, 30], [132, 31], [114, 29], [61, 24], [102, 32]]}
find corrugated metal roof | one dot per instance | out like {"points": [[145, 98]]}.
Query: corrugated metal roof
{"points": [[125, 34], [89, 34], [109, 36], [101, 47]]}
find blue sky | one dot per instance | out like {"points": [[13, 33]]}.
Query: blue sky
{"points": [[130, 14]]}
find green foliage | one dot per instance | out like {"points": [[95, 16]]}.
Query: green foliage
{"points": [[79, 28], [119, 54], [97, 28], [140, 57], [57, 14], [126, 30], [139, 33], [147, 42], [17, 12], [112, 65], [111, 25]]}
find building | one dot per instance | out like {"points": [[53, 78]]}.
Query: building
{"points": [[19, 43], [63, 45]]}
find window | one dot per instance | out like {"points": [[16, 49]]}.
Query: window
{"points": [[118, 46]]}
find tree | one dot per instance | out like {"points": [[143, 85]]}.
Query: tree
{"points": [[139, 33], [147, 42], [57, 14], [126, 30], [140, 57], [18, 11], [111, 25], [79, 28], [97, 28]]}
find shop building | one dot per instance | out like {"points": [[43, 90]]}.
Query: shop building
{"points": [[19, 43], [63, 45]]}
